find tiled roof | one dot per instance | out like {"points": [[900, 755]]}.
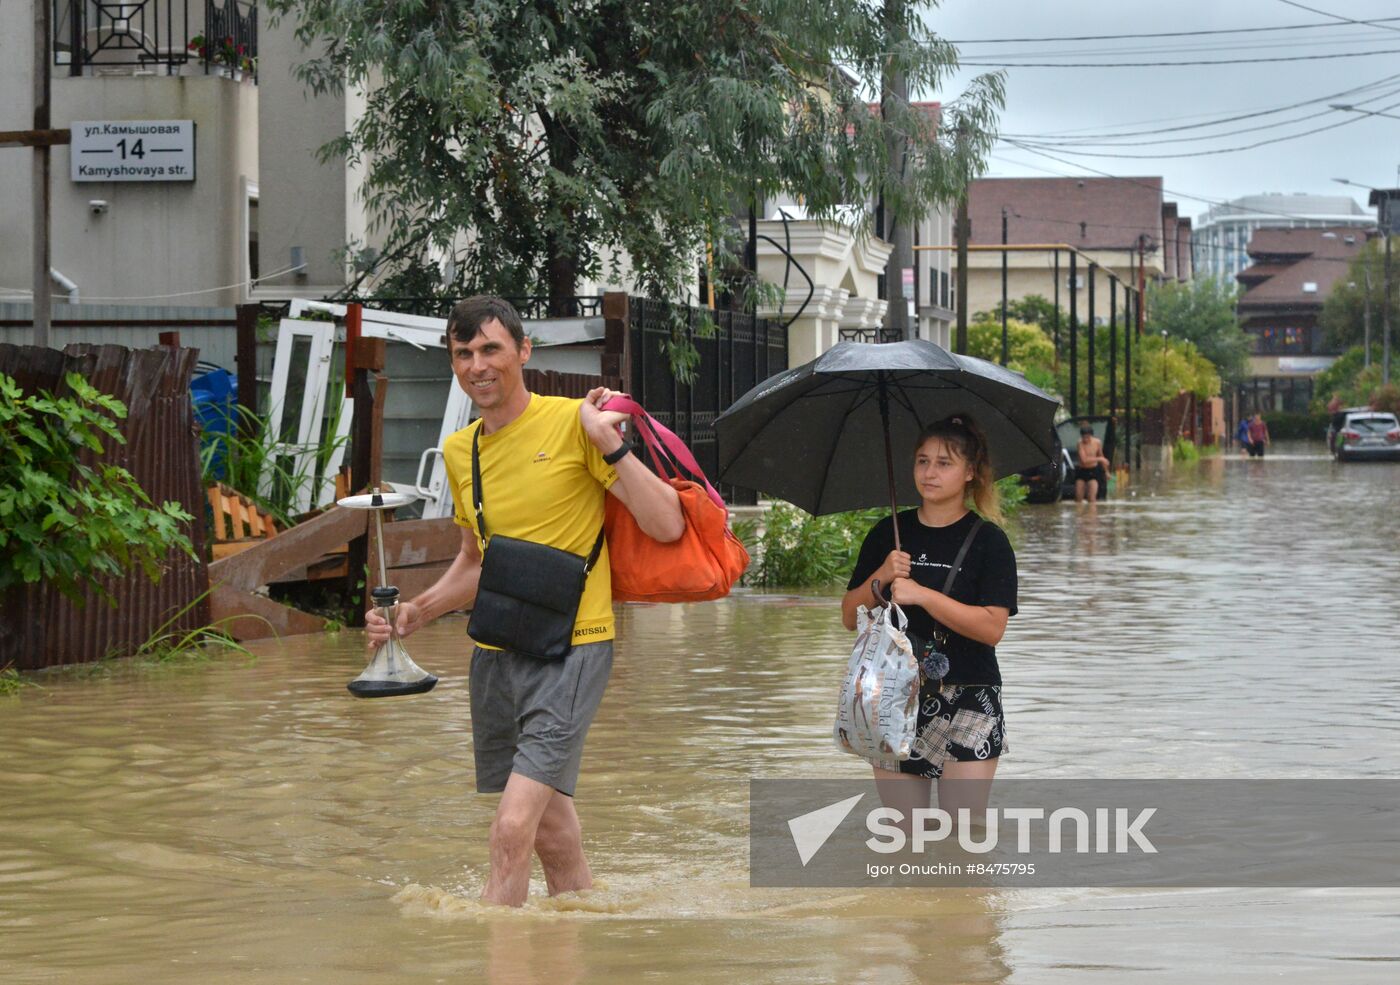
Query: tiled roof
{"points": [[1286, 259]]}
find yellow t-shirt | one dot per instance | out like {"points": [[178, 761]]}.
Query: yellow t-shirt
{"points": [[543, 481]]}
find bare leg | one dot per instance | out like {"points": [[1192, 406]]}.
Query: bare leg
{"points": [[1093, 490], [904, 792], [512, 839], [966, 785], [559, 844], [1079, 490]]}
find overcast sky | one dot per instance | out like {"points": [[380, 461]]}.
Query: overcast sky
{"points": [[1054, 103]]}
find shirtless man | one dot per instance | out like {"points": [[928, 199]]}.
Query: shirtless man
{"points": [[1092, 468]]}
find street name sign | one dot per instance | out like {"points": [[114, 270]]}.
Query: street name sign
{"points": [[132, 150]]}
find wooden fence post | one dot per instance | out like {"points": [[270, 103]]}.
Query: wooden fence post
{"points": [[617, 357], [246, 363], [366, 450]]}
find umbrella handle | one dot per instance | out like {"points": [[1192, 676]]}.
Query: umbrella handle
{"points": [[875, 589]]}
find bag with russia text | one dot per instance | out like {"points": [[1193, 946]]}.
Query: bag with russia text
{"points": [[879, 704], [707, 560]]}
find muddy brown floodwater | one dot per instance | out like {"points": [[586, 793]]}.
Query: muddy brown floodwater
{"points": [[251, 822]]}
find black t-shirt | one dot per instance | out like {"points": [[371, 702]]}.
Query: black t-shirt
{"points": [[987, 577]]}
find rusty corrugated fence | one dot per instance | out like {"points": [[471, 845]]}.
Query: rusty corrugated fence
{"points": [[39, 627]]}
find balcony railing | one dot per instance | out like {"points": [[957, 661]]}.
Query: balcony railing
{"points": [[155, 37]]}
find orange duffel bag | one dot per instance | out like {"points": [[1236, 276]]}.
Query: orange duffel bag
{"points": [[707, 560]]}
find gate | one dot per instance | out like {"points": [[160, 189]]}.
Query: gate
{"points": [[743, 351]]}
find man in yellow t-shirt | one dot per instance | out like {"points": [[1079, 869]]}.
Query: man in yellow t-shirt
{"points": [[546, 464]]}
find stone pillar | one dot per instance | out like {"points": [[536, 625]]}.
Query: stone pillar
{"points": [[815, 331]]}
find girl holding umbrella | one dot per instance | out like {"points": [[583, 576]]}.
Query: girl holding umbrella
{"points": [[953, 572]]}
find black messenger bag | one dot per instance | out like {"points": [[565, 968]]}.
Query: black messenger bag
{"points": [[528, 596]]}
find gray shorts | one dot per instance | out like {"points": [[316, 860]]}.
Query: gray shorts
{"points": [[530, 716]]}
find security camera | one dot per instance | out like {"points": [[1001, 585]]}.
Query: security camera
{"points": [[97, 205]]}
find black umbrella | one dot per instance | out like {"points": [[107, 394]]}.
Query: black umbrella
{"points": [[813, 435]]}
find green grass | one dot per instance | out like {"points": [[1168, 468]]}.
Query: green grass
{"points": [[171, 646], [12, 683]]}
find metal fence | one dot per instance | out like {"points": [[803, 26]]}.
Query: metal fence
{"points": [[737, 351], [40, 627], [870, 335]]}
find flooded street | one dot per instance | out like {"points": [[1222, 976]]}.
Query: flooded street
{"points": [[252, 822]]}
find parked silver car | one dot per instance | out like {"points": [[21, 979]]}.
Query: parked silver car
{"points": [[1365, 435]]}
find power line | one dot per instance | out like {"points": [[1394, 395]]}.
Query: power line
{"points": [[1291, 44], [1165, 34], [1154, 229], [1142, 184], [1026, 145], [178, 294], [1243, 115], [1335, 17], [1085, 142], [1230, 61]]}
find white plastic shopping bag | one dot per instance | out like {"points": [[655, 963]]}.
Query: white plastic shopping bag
{"points": [[879, 704]]}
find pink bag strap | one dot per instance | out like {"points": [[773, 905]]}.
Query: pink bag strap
{"points": [[661, 443]]}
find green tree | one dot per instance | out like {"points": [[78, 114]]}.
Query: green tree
{"points": [[1032, 308], [1202, 312], [1344, 311], [63, 520], [1029, 350], [532, 143], [1350, 380], [1162, 369]]}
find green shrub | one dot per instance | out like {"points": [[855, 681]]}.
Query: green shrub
{"points": [[1290, 425], [1013, 495], [1185, 450], [63, 521], [798, 550]]}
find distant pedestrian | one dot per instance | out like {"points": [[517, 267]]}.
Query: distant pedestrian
{"points": [[1091, 472], [1258, 436], [1242, 435]]}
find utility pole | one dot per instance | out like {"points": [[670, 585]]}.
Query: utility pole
{"points": [[1127, 378], [1057, 309], [1074, 333], [1366, 313], [1005, 341], [899, 230], [1093, 331], [43, 38], [1385, 306], [1139, 304], [962, 230], [1112, 344]]}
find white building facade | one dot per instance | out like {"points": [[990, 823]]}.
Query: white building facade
{"points": [[162, 234]]}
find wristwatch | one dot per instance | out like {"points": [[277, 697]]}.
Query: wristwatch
{"points": [[618, 453]]}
